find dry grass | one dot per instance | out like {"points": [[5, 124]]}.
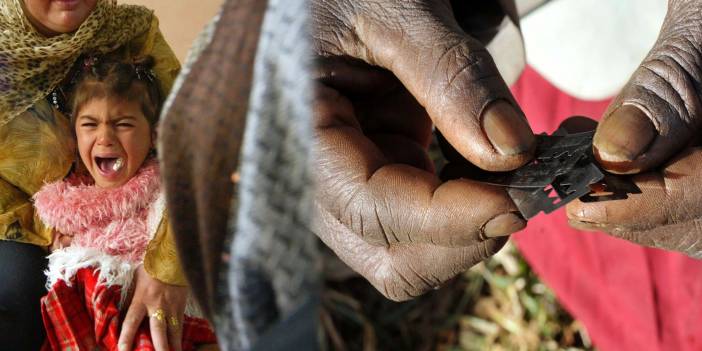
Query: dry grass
{"points": [[497, 305]]}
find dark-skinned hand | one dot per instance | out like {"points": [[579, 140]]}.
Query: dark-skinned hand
{"points": [[387, 72], [653, 126]]}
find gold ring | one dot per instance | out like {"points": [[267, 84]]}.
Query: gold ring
{"points": [[174, 321], [159, 314]]}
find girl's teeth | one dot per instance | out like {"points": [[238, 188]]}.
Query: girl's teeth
{"points": [[118, 165]]}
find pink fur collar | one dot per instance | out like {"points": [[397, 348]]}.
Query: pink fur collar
{"points": [[111, 220]]}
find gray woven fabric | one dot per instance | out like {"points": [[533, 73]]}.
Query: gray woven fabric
{"points": [[268, 265], [274, 256]]}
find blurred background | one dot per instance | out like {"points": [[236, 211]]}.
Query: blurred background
{"points": [[181, 20]]}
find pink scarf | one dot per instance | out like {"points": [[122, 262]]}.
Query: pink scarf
{"points": [[113, 221]]}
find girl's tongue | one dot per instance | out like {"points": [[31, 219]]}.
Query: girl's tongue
{"points": [[109, 165]]}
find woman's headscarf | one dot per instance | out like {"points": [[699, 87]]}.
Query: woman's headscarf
{"points": [[32, 65]]}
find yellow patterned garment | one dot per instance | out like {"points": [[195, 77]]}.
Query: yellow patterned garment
{"points": [[32, 65], [161, 260], [37, 146]]}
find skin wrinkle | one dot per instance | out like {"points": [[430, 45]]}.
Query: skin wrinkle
{"points": [[383, 232], [433, 279], [686, 12], [406, 287], [395, 223], [388, 276], [471, 62], [341, 44], [419, 276], [426, 215], [439, 90], [344, 211], [685, 106], [679, 53], [663, 127], [657, 99]]}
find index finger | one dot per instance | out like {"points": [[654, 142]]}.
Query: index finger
{"points": [[130, 325], [387, 202]]}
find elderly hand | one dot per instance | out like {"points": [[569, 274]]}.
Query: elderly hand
{"points": [[388, 71], [160, 303], [658, 114], [667, 214]]}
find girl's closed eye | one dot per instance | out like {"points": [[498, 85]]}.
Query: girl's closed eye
{"points": [[125, 122]]}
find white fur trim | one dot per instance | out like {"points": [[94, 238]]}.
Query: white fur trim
{"points": [[192, 308], [64, 263]]}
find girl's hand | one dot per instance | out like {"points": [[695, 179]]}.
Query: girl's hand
{"points": [[163, 304], [60, 241]]}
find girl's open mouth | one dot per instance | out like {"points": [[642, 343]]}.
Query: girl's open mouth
{"points": [[109, 166]]}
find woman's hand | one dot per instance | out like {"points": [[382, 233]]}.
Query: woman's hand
{"points": [[163, 305], [388, 72]]}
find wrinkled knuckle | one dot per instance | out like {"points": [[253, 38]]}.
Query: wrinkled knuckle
{"points": [[667, 89], [463, 61], [672, 73], [332, 30], [464, 68]]}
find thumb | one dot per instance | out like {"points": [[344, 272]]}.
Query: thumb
{"points": [[659, 111], [454, 77]]}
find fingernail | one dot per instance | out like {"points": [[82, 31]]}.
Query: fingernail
{"points": [[123, 347], [506, 129], [504, 224], [578, 211], [624, 135]]}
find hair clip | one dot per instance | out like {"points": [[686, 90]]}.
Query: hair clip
{"points": [[144, 73], [89, 64]]}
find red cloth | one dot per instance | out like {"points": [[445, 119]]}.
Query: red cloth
{"points": [[85, 317], [628, 297]]}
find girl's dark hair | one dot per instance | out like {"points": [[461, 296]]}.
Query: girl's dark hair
{"points": [[134, 81]]}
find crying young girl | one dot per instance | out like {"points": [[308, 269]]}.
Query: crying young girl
{"points": [[107, 214]]}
